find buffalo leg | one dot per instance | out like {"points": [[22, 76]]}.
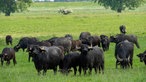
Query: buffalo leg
{"points": [[14, 61], [95, 68], [8, 62], [44, 72], [55, 70], [80, 70], [2, 62], [75, 70], [102, 67], [90, 70]]}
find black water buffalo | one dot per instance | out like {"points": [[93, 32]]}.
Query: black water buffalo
{"points": [[70, 60], [75, 44], [122, 29], [8, 54], [105, 42], [30, 47], [9, 39], [24, 42], [142, 57], [84, 37], [47, 58], [121, 37], [65, 42], [124, 54], [91, 58]]}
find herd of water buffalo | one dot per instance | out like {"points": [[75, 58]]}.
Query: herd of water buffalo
{"points": [[85, 53]]}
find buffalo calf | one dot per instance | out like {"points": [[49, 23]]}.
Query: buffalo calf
{"points": [[8, 54]]}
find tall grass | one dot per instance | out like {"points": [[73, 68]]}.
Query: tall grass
{"points": [[43, 21]]}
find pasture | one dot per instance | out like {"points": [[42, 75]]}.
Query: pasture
{"points": [[43, 21]]}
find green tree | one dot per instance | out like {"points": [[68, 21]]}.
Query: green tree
{"points": [[11, 6], [120, 5]]}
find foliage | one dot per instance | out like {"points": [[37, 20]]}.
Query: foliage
{"points": [[11, 6], [120, 5]]}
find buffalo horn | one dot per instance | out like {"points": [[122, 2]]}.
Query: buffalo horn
{"points": [[119, 59]]}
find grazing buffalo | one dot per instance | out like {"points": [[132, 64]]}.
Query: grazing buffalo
{"points": [[142, 57], [8, 54], [47, 58], [65, 42], [105, 42], [124, 54], [91, 58], [9, 39], [84, 37], [122, 29], [72, 59], [75, 44], [121, 37], [24, 42]]}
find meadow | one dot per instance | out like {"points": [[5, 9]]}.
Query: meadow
{"points": [[43, 21]]}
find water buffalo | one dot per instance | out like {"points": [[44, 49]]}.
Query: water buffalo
{"points": [[75, 44], [121, 37], [65, 42], [70, 60], [142, 57], [124, 54], [8, 54], [105, 42], [93, 40], [47, 58], [29, 47], [84, 37], [91, 58], [122, 29], [9, 39], [24, 42]]}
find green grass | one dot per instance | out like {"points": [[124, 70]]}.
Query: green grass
{"points": [[43, 21]]}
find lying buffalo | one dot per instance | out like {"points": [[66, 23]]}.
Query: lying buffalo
{"points": [[8, 54]]}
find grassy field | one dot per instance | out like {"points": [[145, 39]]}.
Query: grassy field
{"points": [[43, 21]]}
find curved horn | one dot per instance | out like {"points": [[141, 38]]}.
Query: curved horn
{"points": [[42, 47], [119, 59], [129, 58]]}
